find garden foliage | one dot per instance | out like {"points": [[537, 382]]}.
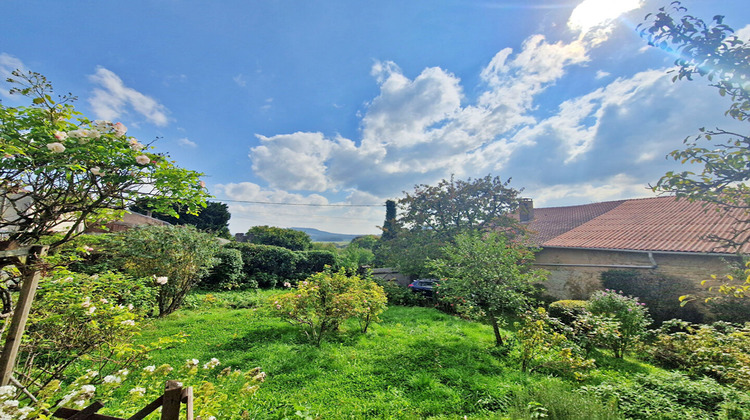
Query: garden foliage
{"points": [[660, 293], [487, 273], [176, 257], [544, 349], [227, 274], [626, 314], [325, 300], [56, 165], [720, 350], [218, 393], [77, 316]]}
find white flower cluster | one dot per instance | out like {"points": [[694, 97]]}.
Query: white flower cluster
{"points": [[98, 127], [191, 363], [161, 280], [117, 377], [211, 364]]}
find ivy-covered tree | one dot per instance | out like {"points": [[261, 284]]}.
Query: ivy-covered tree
{"points": [[61, 171], [710, 50]]}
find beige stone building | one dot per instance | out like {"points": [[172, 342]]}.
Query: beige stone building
{"points": [[661, 235]]}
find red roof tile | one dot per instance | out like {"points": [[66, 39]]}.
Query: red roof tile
{"points": [[649, 224]]}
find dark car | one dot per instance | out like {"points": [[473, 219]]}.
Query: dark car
{"points": [[423, 286]]}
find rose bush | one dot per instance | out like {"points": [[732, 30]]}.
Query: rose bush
{"points": [[61, 171]]}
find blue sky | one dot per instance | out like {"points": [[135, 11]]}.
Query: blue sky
{"points": [[322, 105]]}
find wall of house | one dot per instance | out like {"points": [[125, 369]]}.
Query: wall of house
{"points": [[567, 282]]}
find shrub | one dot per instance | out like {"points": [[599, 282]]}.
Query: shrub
{"points": [[556, 400], [223, 394], [545, 350], [720, 350], [266, 265], [567, 311], [77, 316], [227, 274], [673, 396], [353, 257], [308, 263], [630, 315], [660, 293], [294, 240], [177, 257], [322, 302]]}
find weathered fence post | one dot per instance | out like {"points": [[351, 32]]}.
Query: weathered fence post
{"points": [[170, 407], [20, 315]]}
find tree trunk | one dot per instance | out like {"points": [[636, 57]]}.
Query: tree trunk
{"points": [[495, 329]]}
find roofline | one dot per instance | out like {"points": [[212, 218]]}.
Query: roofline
{"points": [[708, 254]]}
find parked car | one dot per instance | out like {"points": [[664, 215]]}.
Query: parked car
{"points": [[423, 286]]}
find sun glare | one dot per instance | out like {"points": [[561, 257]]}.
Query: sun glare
{"points": [[595, 13]]}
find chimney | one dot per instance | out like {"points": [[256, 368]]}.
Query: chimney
{"points": [[526, 210]]}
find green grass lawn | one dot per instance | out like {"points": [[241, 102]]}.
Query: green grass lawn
{"points": [[416, 363]]}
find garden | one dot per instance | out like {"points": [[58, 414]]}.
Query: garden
{"points": [[282, 328]]}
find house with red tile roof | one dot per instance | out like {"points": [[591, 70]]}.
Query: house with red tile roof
{"points": [[662, 235]]}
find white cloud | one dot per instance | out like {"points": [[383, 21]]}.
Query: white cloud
{"points": [[596, 190], [293, 161], [744, 33], [187, 142], [601, 74], [418, 131], [240, 80], [8, 63], [113, 99]]}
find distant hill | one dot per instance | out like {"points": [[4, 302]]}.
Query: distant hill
{"points": [[322, 236]]}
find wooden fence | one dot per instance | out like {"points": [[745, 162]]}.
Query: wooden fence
{"points": [[170, 402]]}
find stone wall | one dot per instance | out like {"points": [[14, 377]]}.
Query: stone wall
{"points": [[578, 282]]}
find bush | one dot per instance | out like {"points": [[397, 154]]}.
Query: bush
{"points": [[227, 274], [673, 396], [325, 300], [630, 316], [77, 316], [567, 311], [720, 351], [556, 400], [294, 240], [177, 257], [545, 350], [659, 292], [308, 263], [266, 265], [224, 394]]}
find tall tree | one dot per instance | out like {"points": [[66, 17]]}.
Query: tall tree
{"points": [[433, 215], [214, 218], [454, 206], [712, 51]]}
